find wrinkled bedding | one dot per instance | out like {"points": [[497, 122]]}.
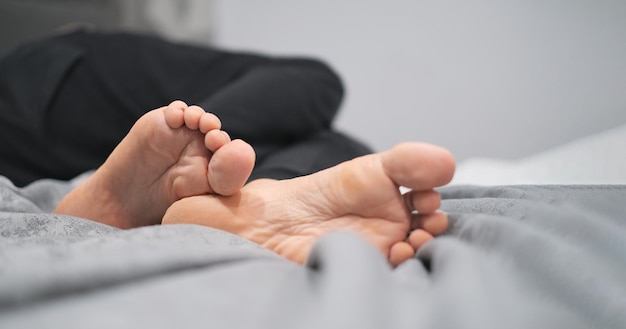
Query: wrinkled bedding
{"points": [[514, 257]]}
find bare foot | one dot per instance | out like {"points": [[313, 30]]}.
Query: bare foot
{"points": [[170, 153], [361, 195]]}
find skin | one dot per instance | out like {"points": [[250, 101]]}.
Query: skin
{"points": [[177, 166], [177, 151], [361, 195]]}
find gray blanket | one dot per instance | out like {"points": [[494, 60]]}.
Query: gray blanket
{"points": [[514, 257]]}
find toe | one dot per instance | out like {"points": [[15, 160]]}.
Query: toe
{"points": [[215, 139], [230, 167], [434, 223], [192, 117], [424, 202], [400, 252], [418, 238], [208, 122], [174, 114], [419, 166]]}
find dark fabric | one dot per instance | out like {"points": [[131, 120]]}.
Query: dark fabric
{"points": [[65, 102], [320, 151]]}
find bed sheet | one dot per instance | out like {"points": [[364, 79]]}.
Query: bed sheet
{"points": [[514, 256]]}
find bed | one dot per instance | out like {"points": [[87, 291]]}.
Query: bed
{"points": [[528, 255]]}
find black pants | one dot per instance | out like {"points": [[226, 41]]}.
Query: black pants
{"points": [[67, 101]]}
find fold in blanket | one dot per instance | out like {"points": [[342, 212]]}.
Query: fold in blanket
{"points": [[514, 256]]}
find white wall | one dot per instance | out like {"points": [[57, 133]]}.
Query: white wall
{"points": [[483, 78]]}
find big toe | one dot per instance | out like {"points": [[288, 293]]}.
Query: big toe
{"points": [[419, 166], [230, 167]]}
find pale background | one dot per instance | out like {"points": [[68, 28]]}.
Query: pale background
{"points": [[501, 79]]}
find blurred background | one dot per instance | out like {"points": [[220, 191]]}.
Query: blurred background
{"points": [[501, 79]]}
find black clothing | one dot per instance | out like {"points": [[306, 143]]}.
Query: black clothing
{"points": [[67, 101]]}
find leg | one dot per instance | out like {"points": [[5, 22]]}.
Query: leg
{"points": [[96, 85], [361, 195], [170, 153], [320, 151], [279, 103]]}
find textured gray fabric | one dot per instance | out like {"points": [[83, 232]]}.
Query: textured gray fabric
{"points": [[514, 257]]}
